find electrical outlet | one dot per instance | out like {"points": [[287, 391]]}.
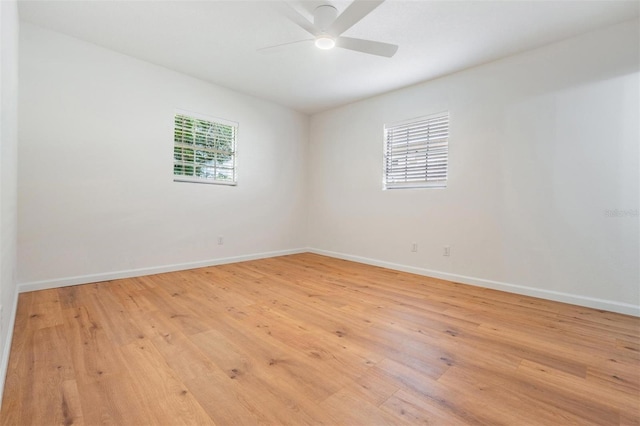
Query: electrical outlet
{"points": [[446, 251], [220, 241], [414, 247]]}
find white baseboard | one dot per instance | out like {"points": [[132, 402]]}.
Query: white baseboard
{"points": [[574, 299], [107, 276], [6, 351]]}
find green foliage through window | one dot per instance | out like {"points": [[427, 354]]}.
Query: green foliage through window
{"points": [[204, 149]]}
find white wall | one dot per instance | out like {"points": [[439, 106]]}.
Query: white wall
{"points": [[96, 193], [8, 176], [542, 144]]}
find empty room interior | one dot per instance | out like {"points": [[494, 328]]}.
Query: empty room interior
{"points": [[320, 212]]}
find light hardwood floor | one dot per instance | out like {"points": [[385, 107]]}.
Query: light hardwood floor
{"points": [[306, 339]]}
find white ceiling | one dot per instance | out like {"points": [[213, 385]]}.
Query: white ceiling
{"points": [[217, 40]]}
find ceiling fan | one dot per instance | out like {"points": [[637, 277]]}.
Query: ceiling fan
{"points": [[327, 27]]}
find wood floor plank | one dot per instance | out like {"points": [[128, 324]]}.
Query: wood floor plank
{"points": [[554, 406], [590, 391], [307, 339], [44, 366], [165, 394], [323, 348], [350, 409], [90, 349], [71, 405], [412, 410], [225, 404], [129, 296], [269, 361], [451, 401], [113, 400], [260, 382], [178, 311]]}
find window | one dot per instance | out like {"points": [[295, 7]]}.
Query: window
{"points": [[204, 149], [416, 153]]}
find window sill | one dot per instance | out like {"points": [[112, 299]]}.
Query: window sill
{"points": [[205, 181]]}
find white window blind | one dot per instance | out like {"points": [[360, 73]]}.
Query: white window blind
{"points": [[204, 149], [416, 153]]}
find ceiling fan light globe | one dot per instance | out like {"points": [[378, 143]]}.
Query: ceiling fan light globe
{"points": [[325, 42]]}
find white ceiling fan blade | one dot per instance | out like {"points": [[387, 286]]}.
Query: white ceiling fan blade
{"points": [[367, 46], [279, 47], [295, 17], [352, 14]]}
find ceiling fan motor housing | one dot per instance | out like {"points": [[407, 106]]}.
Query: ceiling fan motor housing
{"points": [[324, 16]]}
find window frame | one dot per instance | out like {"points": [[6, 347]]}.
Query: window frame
{"points": [[234, 152], [418, 184]]}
